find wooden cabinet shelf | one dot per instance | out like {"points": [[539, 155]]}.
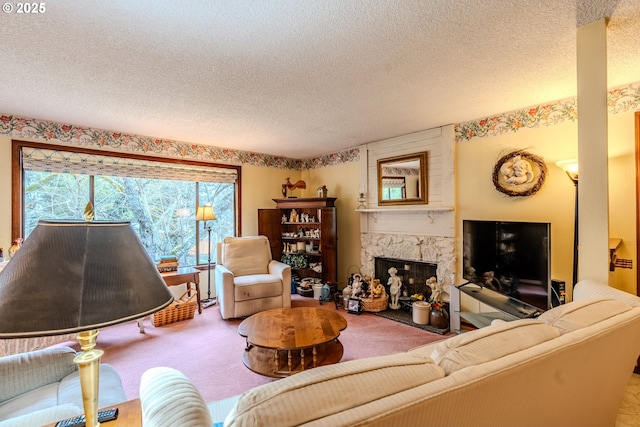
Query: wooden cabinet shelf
{"points": [[318, 232]]}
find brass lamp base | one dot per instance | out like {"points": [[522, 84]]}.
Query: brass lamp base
{"points": [[89, 370]]}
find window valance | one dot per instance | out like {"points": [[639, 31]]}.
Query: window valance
{"points": [[393, 182], [60, 161]]}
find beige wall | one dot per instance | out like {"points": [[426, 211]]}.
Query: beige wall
{"points": [[342, 181], [259, 186], [554, 203]]}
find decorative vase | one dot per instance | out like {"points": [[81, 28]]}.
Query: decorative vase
{"points": [[439, 318]]}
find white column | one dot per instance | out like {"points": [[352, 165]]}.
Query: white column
{"points": [[593, 196]]}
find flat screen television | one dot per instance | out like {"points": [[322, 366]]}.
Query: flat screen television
{"points": [[512, 258]]}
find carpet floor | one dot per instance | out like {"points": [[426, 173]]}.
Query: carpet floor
{"points": [[208, 349]]}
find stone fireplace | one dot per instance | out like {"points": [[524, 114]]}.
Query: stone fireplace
{"points": [[421, 232]]}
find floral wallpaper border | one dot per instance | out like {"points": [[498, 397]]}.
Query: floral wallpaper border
{"points": [[618, 101], [34, 129]]}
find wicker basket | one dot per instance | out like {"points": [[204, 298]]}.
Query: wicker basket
{"points": [[181, 309], [375, 304]]}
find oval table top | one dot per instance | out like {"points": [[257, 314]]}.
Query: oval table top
{"points": [[292, 328]]}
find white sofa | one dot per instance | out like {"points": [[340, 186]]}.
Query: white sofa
{"points": [[43, 386], [569, 367]]}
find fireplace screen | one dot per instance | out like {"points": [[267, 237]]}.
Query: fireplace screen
{"points": [[414, 274]]}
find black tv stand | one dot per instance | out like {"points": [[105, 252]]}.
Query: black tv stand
{"points": [[507, 308]]}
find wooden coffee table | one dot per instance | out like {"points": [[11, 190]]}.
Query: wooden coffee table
{"points": [[284, 341]]}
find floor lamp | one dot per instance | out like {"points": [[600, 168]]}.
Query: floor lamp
{"points": [[571, 168], [205, 213]]}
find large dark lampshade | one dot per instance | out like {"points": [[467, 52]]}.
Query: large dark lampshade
{"points": [[79, 277], [74, 276]]}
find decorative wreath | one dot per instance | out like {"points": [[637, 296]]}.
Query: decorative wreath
{"points": [[519, 173]]}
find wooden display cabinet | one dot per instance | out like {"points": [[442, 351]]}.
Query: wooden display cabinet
{"points": [[309, 233]]}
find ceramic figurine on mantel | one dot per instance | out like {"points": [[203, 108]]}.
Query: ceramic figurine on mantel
{"points": [[322, 191]]}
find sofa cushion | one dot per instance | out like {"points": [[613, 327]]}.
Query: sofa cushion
{"points": [[43, 416], [110, 389], [490, 343], [582, 313], [34, 400], [246, 255], [328, 390], [257, 286], [169, 399]]}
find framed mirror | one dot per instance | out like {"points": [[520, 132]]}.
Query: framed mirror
{"points": [[402, 180]]}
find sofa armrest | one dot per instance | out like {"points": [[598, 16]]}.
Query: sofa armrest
{"points": [[225, 291], [169, 399], [24, 372], [585, 289], [283, 271]]}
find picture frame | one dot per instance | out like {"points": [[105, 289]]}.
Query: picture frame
{"points": [[354, 306], [519, 173]]}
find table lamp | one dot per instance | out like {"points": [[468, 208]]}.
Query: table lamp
{"points": [[79, 276], [205, 213]]}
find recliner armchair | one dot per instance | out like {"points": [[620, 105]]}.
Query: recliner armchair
{"points": [[248, 280]]}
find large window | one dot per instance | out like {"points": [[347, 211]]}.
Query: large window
{"points": [[159, 197]]}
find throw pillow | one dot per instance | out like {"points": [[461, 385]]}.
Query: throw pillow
{"points": [[490, 343], [582, 313]]}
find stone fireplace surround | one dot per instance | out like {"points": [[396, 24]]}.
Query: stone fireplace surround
{"points": [[431, 249]]}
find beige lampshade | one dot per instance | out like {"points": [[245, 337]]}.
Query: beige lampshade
{"points": [[570, 167], [205, 213]]}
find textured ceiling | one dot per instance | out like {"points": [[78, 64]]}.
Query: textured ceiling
{"points": [[298, 78]]}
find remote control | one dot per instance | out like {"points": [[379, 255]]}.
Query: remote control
{"points": [[80, 421]]}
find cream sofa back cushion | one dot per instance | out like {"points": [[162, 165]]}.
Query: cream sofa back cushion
{"points": [[328, 390], [490, 343], [583, 313], [246, 255]]}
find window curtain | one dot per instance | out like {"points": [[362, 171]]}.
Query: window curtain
{"points": [[60, 161]]}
